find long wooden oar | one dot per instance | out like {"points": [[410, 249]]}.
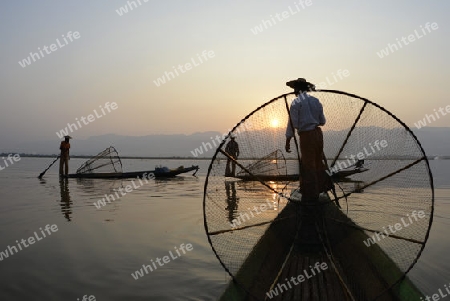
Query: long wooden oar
{"points": [[42, 173]]}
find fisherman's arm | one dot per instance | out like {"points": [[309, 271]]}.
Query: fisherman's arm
{"points": [[287, 147], [292, 122]]}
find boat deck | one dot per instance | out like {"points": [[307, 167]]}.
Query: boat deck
{"points": [[324, 286], [353, 271]]}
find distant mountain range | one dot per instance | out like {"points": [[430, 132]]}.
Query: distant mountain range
{"points": [[133, 146], [435, 141]]}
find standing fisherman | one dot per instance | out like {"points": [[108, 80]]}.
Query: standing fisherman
{"points": [[232, 149], [306, 115], [65, 156]]}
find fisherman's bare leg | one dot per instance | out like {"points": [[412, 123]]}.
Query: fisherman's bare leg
{"points": [[61, 163], [67, 165]]}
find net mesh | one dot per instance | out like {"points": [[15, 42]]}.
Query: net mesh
{"points": [[258, 232], [274, 164], [107, 161]]}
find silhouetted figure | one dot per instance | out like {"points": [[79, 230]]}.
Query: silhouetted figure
{"points": [[232, 148], [65, 156], [306, 114]]}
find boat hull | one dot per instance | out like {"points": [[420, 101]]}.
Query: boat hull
{"points": [[135, 174], [291, 245]]}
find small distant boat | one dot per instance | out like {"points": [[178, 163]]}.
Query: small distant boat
{"points": [[342, 174], [159, 172]]}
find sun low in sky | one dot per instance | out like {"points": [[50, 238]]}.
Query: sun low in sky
{"points": [[275, 123]]}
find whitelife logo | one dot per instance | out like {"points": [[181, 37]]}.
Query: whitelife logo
{"points": [[398, 226], [243, 217], [282, 287], [102, 202], [340, 75], [31, 240], [272, 21], [48, 50], [169, 75], [86, 120], [379, 145], [431, 118], [130, 4], [86, 298], [161, 261], [391, 48], [207, 146], [11, 159]]}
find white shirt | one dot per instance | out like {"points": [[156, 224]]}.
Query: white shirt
{"points": [[306, 114]]}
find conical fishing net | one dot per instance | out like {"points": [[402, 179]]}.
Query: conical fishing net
{"points": [[264, 235], [274, 164], [107, 161]]}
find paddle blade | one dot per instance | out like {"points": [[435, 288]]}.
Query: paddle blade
{"points": [[42, 173]]}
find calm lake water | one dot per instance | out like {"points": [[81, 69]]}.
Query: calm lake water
{"points": [[94, 251]]}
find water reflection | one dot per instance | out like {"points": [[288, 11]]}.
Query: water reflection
{"points": [[232, 200], [349, 185], [66, 203], [99, 186]]}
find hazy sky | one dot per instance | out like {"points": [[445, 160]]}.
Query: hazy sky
{"points": [[119, 58]]}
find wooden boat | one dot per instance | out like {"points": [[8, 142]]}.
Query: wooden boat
{"points": [[297, 240], [157, 173]]}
